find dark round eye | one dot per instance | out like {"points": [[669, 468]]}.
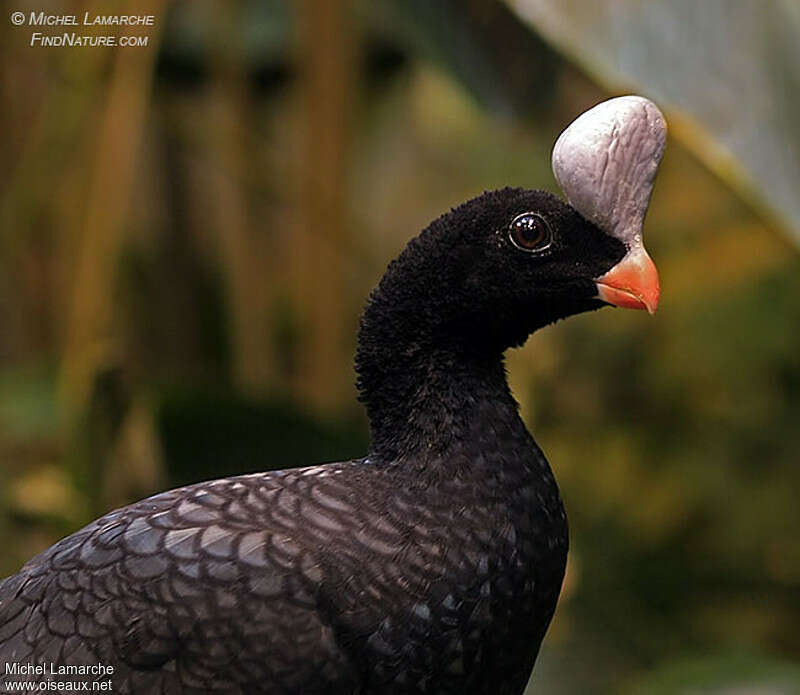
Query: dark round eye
{"points": [[529, 232]]}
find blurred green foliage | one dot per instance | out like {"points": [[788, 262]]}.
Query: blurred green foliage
{"points": [[722, 675], [217, 330]]}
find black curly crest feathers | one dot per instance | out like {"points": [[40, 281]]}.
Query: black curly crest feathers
{"points": [[432, 565]]}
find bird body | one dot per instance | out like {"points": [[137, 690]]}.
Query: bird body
{"points": [[340, 578], [432, 565]]}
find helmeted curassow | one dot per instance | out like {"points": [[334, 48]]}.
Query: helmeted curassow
{"points": [[431, 565]]}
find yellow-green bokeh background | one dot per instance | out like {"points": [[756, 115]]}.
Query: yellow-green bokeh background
{"points": [[188, 233]]}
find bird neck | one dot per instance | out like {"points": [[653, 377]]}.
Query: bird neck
{"points": [[427, 397]]}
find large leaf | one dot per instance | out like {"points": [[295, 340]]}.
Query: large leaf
{"points": [[727, 71]]}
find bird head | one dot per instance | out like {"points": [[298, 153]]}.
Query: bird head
{"points": [[496, 268]]}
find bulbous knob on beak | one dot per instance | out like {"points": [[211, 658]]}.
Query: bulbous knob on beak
{"points": [[606, 163]]}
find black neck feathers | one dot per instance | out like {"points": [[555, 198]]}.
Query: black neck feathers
{"points": [[426, 381], [430, 349]]}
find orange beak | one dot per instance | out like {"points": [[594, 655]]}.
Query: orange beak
{"points": [[632, 283]]}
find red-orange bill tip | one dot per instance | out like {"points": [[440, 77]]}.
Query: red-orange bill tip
{"points": [[632, 283]]}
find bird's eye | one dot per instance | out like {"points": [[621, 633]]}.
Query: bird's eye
{"points": [[530, 232]]}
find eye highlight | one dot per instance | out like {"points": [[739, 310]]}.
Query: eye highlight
{"points": [[530, 232]]}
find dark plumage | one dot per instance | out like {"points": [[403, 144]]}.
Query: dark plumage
{"points": [[432, 565]]}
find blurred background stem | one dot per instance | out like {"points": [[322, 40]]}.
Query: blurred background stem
{"points": [[89, 347], [327, 52]]}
